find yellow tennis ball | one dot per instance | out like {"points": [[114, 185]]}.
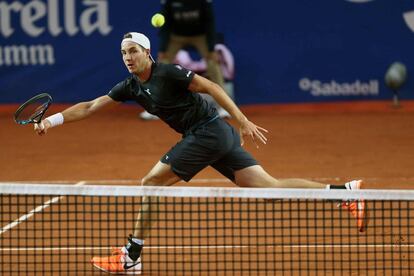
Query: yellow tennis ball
{"points": [[157, 20]]}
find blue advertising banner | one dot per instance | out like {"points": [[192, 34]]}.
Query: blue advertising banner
{"points": [[284, 51]]}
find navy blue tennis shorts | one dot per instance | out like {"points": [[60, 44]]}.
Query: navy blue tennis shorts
{"points": [[215, 143]]}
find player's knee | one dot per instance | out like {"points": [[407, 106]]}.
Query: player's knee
{"points": [[148, 180], [254, 176], [151, 180]]}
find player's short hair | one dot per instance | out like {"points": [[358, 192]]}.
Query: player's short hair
{"points": [[127, 35]]}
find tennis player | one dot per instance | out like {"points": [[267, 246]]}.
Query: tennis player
{"points": [[171, 92]]}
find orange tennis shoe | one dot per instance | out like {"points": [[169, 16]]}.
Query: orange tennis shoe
{"points": [[118, 263], [356, 207]]}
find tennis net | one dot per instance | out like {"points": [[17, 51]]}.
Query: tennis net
{"points": [[58, 229]]}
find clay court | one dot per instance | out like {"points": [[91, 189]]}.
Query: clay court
{"points": [[330, 143], [327, 142]]}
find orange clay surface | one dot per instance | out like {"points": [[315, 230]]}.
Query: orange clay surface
{"points": [[331, 143]]}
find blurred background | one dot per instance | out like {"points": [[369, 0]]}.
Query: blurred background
{"points": [[284, 51]]}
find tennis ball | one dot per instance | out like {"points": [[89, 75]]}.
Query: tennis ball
{"points": [[157, 20]]}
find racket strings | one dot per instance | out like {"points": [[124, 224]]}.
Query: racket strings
{"points": [[33, 110]]}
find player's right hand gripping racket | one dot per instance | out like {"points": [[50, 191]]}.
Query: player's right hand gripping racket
{"points": [[33, 110]]}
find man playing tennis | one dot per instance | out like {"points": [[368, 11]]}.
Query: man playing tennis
{"points": [[171, 92]]}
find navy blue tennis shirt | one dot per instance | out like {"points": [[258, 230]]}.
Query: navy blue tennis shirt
{"points": [[166, 95]]}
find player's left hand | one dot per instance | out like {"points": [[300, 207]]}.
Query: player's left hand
{"points": [[249, 129]]}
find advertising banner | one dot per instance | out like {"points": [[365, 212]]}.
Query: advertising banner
{"points": [[284, 51]]}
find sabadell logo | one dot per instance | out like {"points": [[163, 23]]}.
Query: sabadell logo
{"points": [[318, 88], [407, 16]]}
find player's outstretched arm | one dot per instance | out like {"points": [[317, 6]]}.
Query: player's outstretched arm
{"points": [[74, 113], [247, 128]]}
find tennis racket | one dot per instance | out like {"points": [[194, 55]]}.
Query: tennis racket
{"points": [[33, 110]]}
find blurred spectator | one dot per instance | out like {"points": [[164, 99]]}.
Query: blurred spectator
{"points": [[190, 23], [226, 62]]}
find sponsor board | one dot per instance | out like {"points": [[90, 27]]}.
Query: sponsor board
{"points": [[53, 17], [318, 88], [327, 50]]}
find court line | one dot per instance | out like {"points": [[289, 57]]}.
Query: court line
{"points": [[214, 247], [31, 213]]}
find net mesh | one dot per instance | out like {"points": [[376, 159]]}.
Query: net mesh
{"points": [[57, 229]]}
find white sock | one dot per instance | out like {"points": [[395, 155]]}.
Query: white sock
{"points": [[138, 241]]}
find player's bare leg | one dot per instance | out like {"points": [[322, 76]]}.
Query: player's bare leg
{"points": [[160, 174], [126, 260], [257, 177]]}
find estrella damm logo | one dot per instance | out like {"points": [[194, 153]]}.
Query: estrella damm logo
{"points": [[56, 17]]}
